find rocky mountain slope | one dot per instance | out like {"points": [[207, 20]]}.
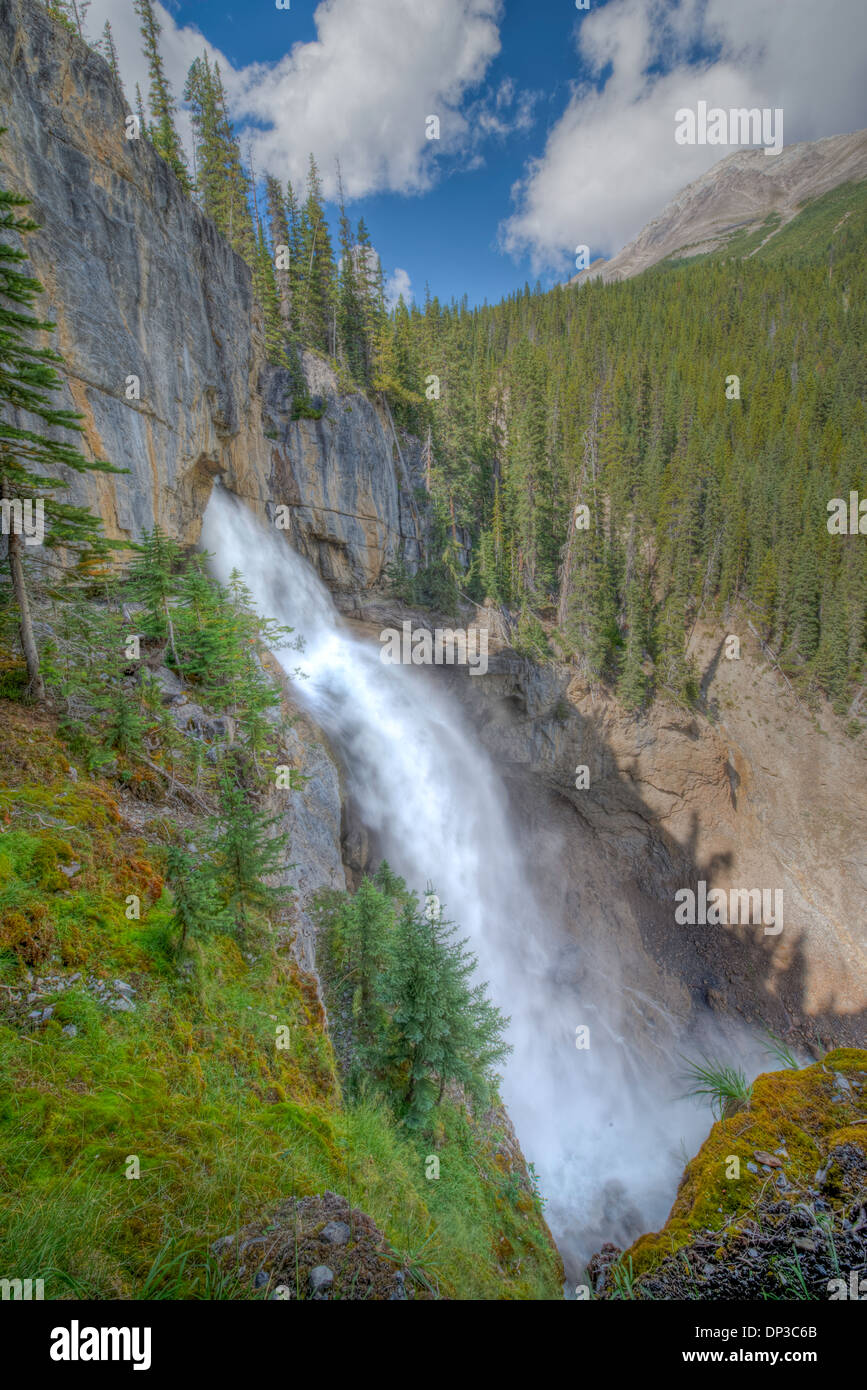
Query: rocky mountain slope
{"points": [[746, 192]]}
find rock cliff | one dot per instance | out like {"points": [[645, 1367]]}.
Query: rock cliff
{"points": [[150, 301], [753, 790]]}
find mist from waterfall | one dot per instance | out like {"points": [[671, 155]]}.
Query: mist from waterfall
{"points": [[606, 1140]]}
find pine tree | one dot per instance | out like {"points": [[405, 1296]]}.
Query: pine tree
{"points": [[360, 937], [267, 293], [350, 310], [152, 580], [293, 218], [29, 460], [109, 51], [244, 848], [200, 96], [198, 911], [632, 684], [140, 111], [281, 248], [163, 131], [372, 291], [316, 292], [443, 1028]]}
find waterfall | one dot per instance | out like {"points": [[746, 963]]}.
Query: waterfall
{"points": [[604, 1139]]}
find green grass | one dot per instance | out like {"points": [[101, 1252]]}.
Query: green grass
{"points": [[224, 1124], [781, 1050], [812, 233]]}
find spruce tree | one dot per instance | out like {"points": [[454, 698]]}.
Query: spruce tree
{"points": [[281, 248], [350, 299], [109, 51], [152, 580], [140, 112], [244, 848], [316, 308], [198, 911], [164, 134], [293, 218], [632, 685], [29, 458], [372, 292], [360, 937], [443, 1027]]}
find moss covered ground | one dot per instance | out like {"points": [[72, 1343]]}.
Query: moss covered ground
{"points": [[188, 1088]]}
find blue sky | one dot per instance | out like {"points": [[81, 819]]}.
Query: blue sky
{"points": [[449, 237], [556, 124]]}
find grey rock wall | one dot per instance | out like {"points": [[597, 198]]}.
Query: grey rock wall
{"points": [[141, 284]]}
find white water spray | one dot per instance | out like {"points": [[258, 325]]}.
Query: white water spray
{"points": [[605, 1144]]}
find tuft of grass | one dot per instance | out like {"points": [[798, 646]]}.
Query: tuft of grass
{"points": [[777, 1047], [623, 1278], [726, 1088]]}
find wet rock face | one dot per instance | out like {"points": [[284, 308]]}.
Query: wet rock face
{"points": [[311, 817], [141, 285]]}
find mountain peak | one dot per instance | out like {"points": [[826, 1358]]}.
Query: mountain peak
{"points": [[737, 195]]}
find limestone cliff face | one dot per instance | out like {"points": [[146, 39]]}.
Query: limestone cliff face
{"points": [[141, 284], [352, 488]]}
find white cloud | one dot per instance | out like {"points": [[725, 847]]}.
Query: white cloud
{"points": [[611, 163], [360, 92], [396, 285], [503, 112]]}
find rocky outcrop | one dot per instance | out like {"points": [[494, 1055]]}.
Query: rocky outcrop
{"points": [[317, 1248], [773, 1206], [737, 195], [163, 339], [353, 489]]}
